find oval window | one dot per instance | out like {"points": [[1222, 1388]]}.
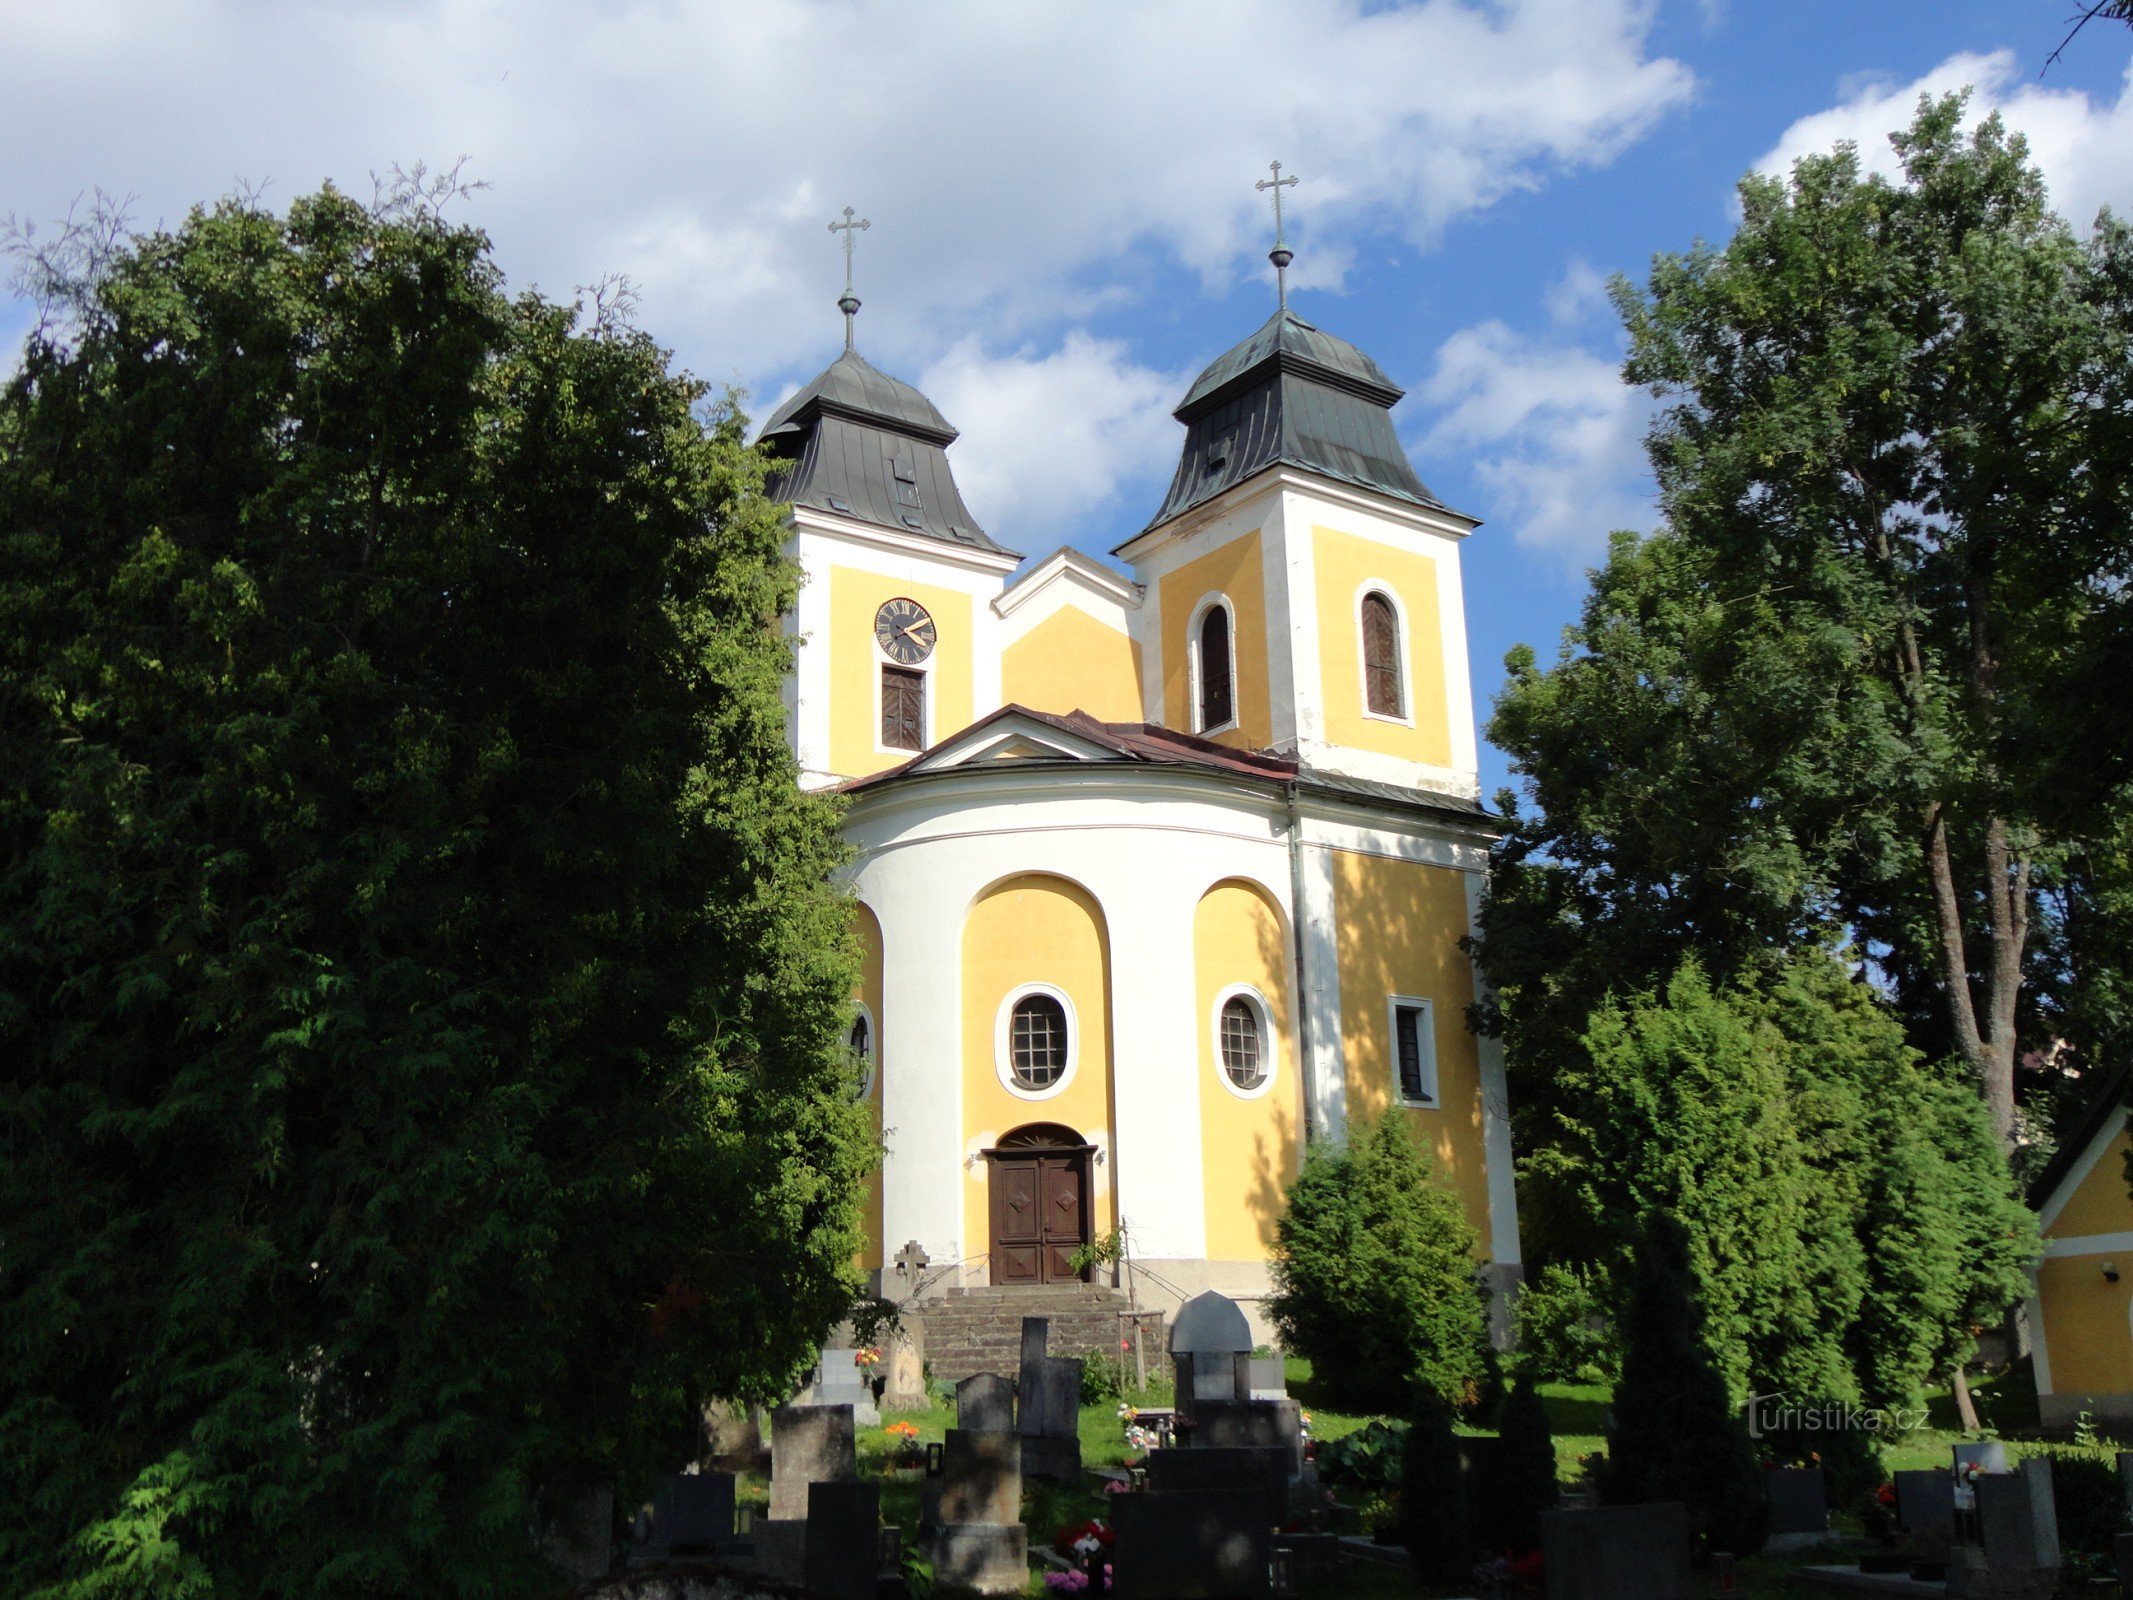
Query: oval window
{"points": [[1037, 1041], [1243, 1043]]}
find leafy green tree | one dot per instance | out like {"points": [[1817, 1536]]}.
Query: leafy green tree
{"points": [[1831, 690], [421, 980], [1562, 1329], [1374, 1274], [1676, 1434]]}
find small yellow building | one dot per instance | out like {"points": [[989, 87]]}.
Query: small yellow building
{"points": [[1163, 867], [2081, 1311]]}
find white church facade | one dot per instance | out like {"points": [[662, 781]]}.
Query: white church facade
{"points": [[1161, 868]]}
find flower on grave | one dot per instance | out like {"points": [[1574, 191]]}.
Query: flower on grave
{"points": [[1066, 1582], [867, 1356], [1083, 1538], [1127, 1412], [1117, 1486], [902, 1432]]}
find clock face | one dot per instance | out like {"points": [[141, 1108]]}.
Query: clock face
{"points": [[904, 631]]}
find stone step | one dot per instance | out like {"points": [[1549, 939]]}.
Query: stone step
{"points": [[980, 1330]]}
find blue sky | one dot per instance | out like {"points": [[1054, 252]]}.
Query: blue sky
{"points": [[1064, 224]]}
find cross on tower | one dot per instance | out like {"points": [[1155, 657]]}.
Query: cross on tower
{"points": [[849, 304], [1280, 255]]}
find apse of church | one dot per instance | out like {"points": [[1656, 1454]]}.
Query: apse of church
{"points": [[1162, 864]]}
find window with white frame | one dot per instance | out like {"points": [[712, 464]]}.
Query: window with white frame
{"points": [[1241, 1042], [1414, 1052], [1214, 669], [1384, 667], [1035, 1041]]}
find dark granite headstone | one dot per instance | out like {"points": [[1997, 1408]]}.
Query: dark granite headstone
{"points": [[1049, 1418], [1798, 1498], [985, 1403], [843, 1540], [1251, 1424], [808, 1445], [1191, 1545], [2018, 1518], [1231, 1469], [1617, 1553], [692, 1515], [781, 1548], [1925, 1501]]}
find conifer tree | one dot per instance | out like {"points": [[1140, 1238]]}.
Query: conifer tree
{"points": [[1528, 1473], [1433, 1501]]}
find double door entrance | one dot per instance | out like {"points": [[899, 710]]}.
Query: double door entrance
{"points": [[1040, 1205]]}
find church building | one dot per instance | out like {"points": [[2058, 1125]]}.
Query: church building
{"points": [[1162, 867]]}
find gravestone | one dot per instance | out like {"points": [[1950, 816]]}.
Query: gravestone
{"points": [[1035, 1335], [905, 1364], [808, 1445], [1925, 1501], [985, 1403], [1270, 1378], [781, 1548], [1798, 1498], [981, 1477], [1617, 1552], [987, 1558], [843, 1540], [691, 1515], [1191, 1545], [841, 1381], [1251, 1424], [1048, 1418], [1211, 1350], [1230, 1469], [2018, 1518]]}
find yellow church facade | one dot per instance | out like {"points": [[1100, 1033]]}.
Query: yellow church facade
{"points": [[2080, 1313], [1162, 867]]}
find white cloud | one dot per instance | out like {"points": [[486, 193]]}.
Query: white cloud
{"points": [[1023, 166], [2084, 147], [1047, 439], [1550, 430]]}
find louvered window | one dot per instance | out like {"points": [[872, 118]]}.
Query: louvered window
{"points": [[903, 709], [1382, 688], [1217, 706]]}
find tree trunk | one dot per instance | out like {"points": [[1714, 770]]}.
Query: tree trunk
{"points": [[1965, 1407]]}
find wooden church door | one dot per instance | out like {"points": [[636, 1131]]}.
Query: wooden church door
{"points": [[1040, 1212]]}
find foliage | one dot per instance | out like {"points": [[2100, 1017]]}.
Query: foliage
{"points": [[1677, 1435], [1101, 1252], [1847, 1217], [1433, 1507], [1860, 678], [2088, 1492], [1368, 1458], [1507, 1515], [1100, 1384], [1374, 1274], [1562, 1333], [421, 984]]}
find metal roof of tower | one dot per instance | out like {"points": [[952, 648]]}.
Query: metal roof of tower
{"points": [[863, 444], [1294, 395]]}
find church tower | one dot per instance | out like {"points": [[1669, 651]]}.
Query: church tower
{"points": [[897, 635], [1304, 584]]}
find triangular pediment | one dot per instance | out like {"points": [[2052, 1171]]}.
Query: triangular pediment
{"points": [[1015, 735]]}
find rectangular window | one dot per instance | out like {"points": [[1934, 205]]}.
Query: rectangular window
{"points": [[1414, 1051], [903, 709]]}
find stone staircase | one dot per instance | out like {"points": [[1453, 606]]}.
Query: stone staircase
{"points": [[980, 1330]]}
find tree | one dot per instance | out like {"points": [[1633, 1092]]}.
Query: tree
{"points": [[1845, 1216], [1676, 1434], [1433, 1499], [1527, 1485], [1829, 692], [421, 979], [1374, 1274]]}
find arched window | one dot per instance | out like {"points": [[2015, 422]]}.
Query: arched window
{"points": [[861, 1043], [1037, 1041], [1243, 1043], [1383, 691], [1217, 704]]}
